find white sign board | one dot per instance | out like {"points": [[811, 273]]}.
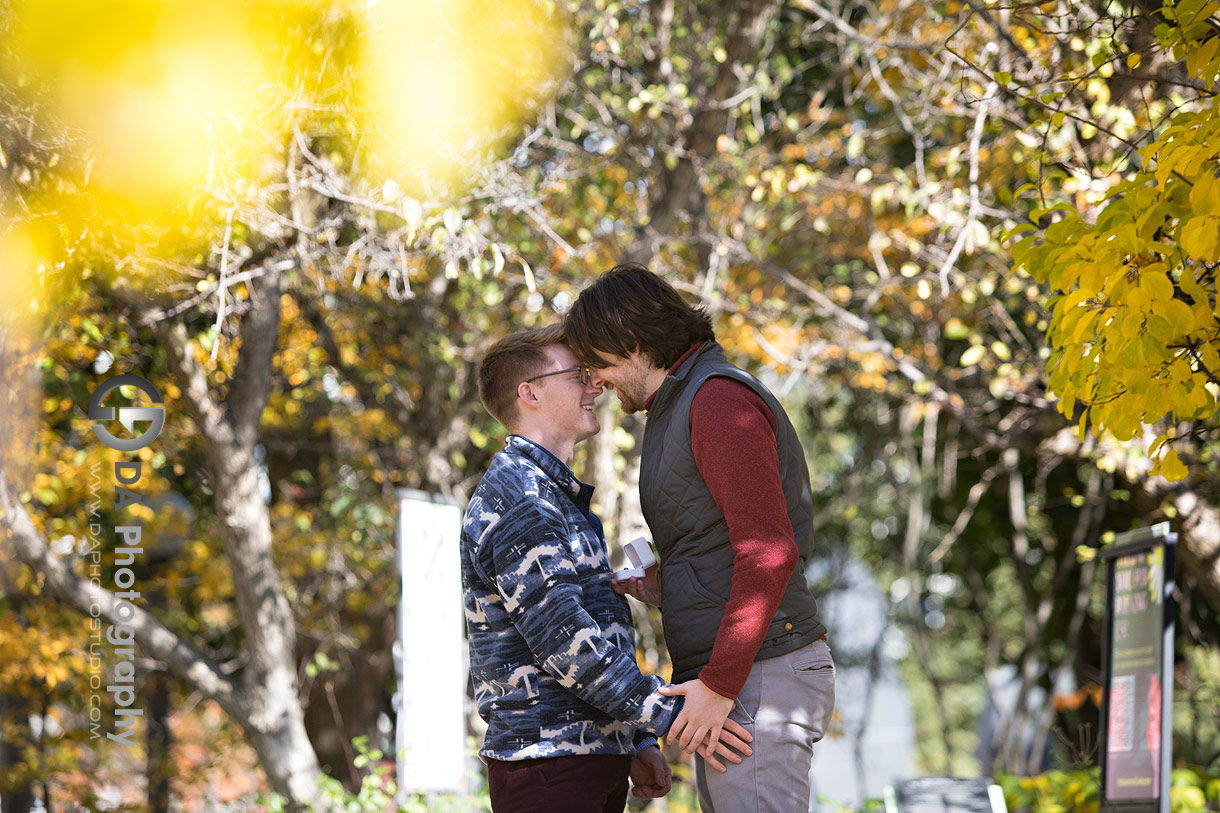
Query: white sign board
{"points": [[430, 741]]}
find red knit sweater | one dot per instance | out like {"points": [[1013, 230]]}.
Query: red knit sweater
{"points": [[733, 440]]}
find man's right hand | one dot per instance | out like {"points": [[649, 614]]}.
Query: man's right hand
{"points": [[732, 736], [647, 589]]}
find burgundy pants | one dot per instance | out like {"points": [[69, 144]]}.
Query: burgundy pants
{"points": [[578, 784]]}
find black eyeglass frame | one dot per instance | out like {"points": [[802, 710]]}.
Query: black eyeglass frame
{"points": [[586, 374]]}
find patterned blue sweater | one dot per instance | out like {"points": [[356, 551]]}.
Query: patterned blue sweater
{"points": [[552, 649]]}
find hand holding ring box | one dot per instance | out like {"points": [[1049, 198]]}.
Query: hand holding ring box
{"points": [[639, 553]]}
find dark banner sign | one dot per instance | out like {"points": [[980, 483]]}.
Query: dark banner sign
{"points": [[1138, 671]]}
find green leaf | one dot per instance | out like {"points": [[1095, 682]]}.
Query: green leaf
{"points": [[340, 505], [91, 330]]}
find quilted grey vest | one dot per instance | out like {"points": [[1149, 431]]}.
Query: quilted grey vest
{"points": [[691, 534]]}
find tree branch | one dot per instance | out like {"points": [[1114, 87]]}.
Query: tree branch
{"points": [[189, 664], [975, 139], [678, 186], [251, 385]]}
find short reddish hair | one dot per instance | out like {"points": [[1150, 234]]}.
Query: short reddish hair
{"points": [[510, 361]]}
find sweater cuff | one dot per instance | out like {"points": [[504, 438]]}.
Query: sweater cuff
{"points": [[715, 687], [642, 741]]}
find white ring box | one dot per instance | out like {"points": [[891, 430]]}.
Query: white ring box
{"points": [[639, 553]]}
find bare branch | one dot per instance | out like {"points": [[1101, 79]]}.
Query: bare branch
{"points": [[966, 514], [975, 139], [222, 287]]}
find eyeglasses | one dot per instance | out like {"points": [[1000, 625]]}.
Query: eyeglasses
{"points": [[586, 374]]}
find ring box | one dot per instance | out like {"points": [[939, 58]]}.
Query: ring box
{"points": [[640, 554]]}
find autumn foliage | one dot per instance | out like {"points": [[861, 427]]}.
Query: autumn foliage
{"points": [[1136, 321]]}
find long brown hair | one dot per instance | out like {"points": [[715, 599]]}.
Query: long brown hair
{"points": [[629, 307]]}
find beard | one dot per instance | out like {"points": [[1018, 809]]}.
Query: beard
{"points": [[632, 395]]}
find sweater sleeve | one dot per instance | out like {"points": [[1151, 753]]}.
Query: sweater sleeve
{"points": [[525, 556], [733, 440]]}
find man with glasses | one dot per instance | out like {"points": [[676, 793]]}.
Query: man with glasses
{"points": [[552, 650]]}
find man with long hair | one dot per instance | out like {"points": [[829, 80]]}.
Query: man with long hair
{"points": [[725, 491]]}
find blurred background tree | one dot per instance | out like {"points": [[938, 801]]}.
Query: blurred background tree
{"points": [[312, 226]]}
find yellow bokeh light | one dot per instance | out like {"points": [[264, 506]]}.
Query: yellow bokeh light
{"points": [[447, 81], [162, 95], [20, 337], [168, 102], [20, 266]]}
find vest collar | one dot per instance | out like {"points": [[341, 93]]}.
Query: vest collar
{"points": [[675, 382]]}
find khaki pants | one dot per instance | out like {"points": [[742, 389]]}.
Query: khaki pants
{"points": [[785, 704]]}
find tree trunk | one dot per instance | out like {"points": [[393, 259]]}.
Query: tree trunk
{"points": [[1197, 522], [13, 739], [265, 702], [601, 472], [272, 714], [1198, 550]]}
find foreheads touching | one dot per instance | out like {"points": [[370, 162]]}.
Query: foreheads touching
{"points": [[630, 308]]}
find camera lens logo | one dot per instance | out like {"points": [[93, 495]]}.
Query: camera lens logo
{"points": [[128, 415]]}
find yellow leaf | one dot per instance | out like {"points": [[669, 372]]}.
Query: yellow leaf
{"points": [[1137, 299], [1156, 285], [1133, 61], [1128, 323], [1210, 355], [1123, 425], [1173, 157], [1062, 323], [1130, 356], [1172, 467], [1139, 381], [1160, 328], [1199, 237], [1158, 443], [1197, 58], [1179, 315], [1164, 164], [1083, 329], [1205, 195], [1192, 288], [1153, 351], [1203, 318], [1198, 403]]}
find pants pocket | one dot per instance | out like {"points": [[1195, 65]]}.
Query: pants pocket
{"points": [[817, 660], [740, 714]]}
